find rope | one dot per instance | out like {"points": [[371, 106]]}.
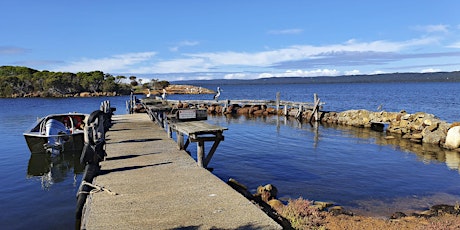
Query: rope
{"points": [[96, 189]]}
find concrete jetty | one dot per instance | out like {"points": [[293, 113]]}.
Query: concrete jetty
{"points": [[150, 184]]}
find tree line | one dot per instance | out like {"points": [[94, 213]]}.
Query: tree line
{"points": [[19, 81]]}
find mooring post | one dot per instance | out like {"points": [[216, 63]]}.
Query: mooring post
{"points": [[316, 99], [299, 112], [169, 130], [227, 102], [315, 109], [180, 140], [278, 98], [200, 153]]}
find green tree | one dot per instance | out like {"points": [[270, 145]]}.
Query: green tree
{"points": [[92, 81], [133, 80], [119, 79], [109, 84]]}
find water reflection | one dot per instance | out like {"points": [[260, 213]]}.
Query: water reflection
{"points": [[357, 168], [427, 153], [51, 170]]}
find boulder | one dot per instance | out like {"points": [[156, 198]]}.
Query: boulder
{"points": [[432, 137], [267, 192], [242, 111], [453, 138], [85, 94], [258, 112], [271, 110], [275, 204]]}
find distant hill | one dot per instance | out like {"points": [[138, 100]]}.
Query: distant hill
{"points": [[377, 78]]}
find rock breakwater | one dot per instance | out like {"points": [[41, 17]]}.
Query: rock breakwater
{"points": [[417, 127]]}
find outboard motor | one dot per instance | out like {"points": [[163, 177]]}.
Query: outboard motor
{"points": [[55, 143]]}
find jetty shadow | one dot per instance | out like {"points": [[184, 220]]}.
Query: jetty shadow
{"points": [[140, 140], [124, 157], [244, 227], [105, 172], [116, 130]]}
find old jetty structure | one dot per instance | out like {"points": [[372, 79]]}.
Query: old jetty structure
{"points": [[137, 177], [417, 127]]}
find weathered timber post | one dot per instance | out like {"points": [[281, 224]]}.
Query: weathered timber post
{"points": [[180, 140], [165, 119], [299, 112], [278, 98], [227, 102], [316, 99], [200, 153], [285, 109], [169, 131], [315, 108]]}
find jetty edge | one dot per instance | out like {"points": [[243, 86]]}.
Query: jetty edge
{"points": [[152, 184]]}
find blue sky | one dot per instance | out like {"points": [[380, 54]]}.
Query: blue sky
{"points": [[211, 39]]}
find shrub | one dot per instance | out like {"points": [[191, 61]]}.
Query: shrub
{"points": [[302, 215]]}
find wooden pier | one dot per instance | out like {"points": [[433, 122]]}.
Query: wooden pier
{"points": [[199, 132], [157, 107], [146, 182]]}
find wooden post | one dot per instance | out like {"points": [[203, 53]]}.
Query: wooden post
{"points": [[180, 140], [278, 99], [200, 153], [285, 110], [315, 109], [165, 119], [169, 131], [316, 99], [213, 149], [227, 102], [299, 112]]}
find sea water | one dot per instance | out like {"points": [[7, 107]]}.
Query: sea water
{"points": [[353, 167]]}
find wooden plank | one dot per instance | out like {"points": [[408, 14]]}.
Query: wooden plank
{"points": [[196, 127], [211, 152]]}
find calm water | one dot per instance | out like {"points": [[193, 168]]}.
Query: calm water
{"points": [[356, 168]]}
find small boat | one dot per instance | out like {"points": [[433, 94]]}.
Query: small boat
{"points": [[56, 133]]}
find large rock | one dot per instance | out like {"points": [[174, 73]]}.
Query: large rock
{"points": [[453, 138]]}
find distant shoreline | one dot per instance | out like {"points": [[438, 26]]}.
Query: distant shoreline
{"points": [[171, 89], [376, 78]]}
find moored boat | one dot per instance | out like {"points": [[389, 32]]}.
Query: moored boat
{"points": [[56, 133]]}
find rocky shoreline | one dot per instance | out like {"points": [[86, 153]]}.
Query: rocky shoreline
{"points": [[418, 127], [171, 89], [305, 214]]}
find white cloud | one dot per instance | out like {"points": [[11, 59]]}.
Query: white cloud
{"points": [[7, 50], [302, 73], [378, 72], [236, 76], [111, 64], [455, 45], [352, 72], [183, 65], [430, 70], [433, 28], [298, 52], [264, 61], [182, 44], [286, 31]]}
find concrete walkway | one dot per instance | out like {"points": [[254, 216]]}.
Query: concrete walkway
{"points": [[161, 187]]}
